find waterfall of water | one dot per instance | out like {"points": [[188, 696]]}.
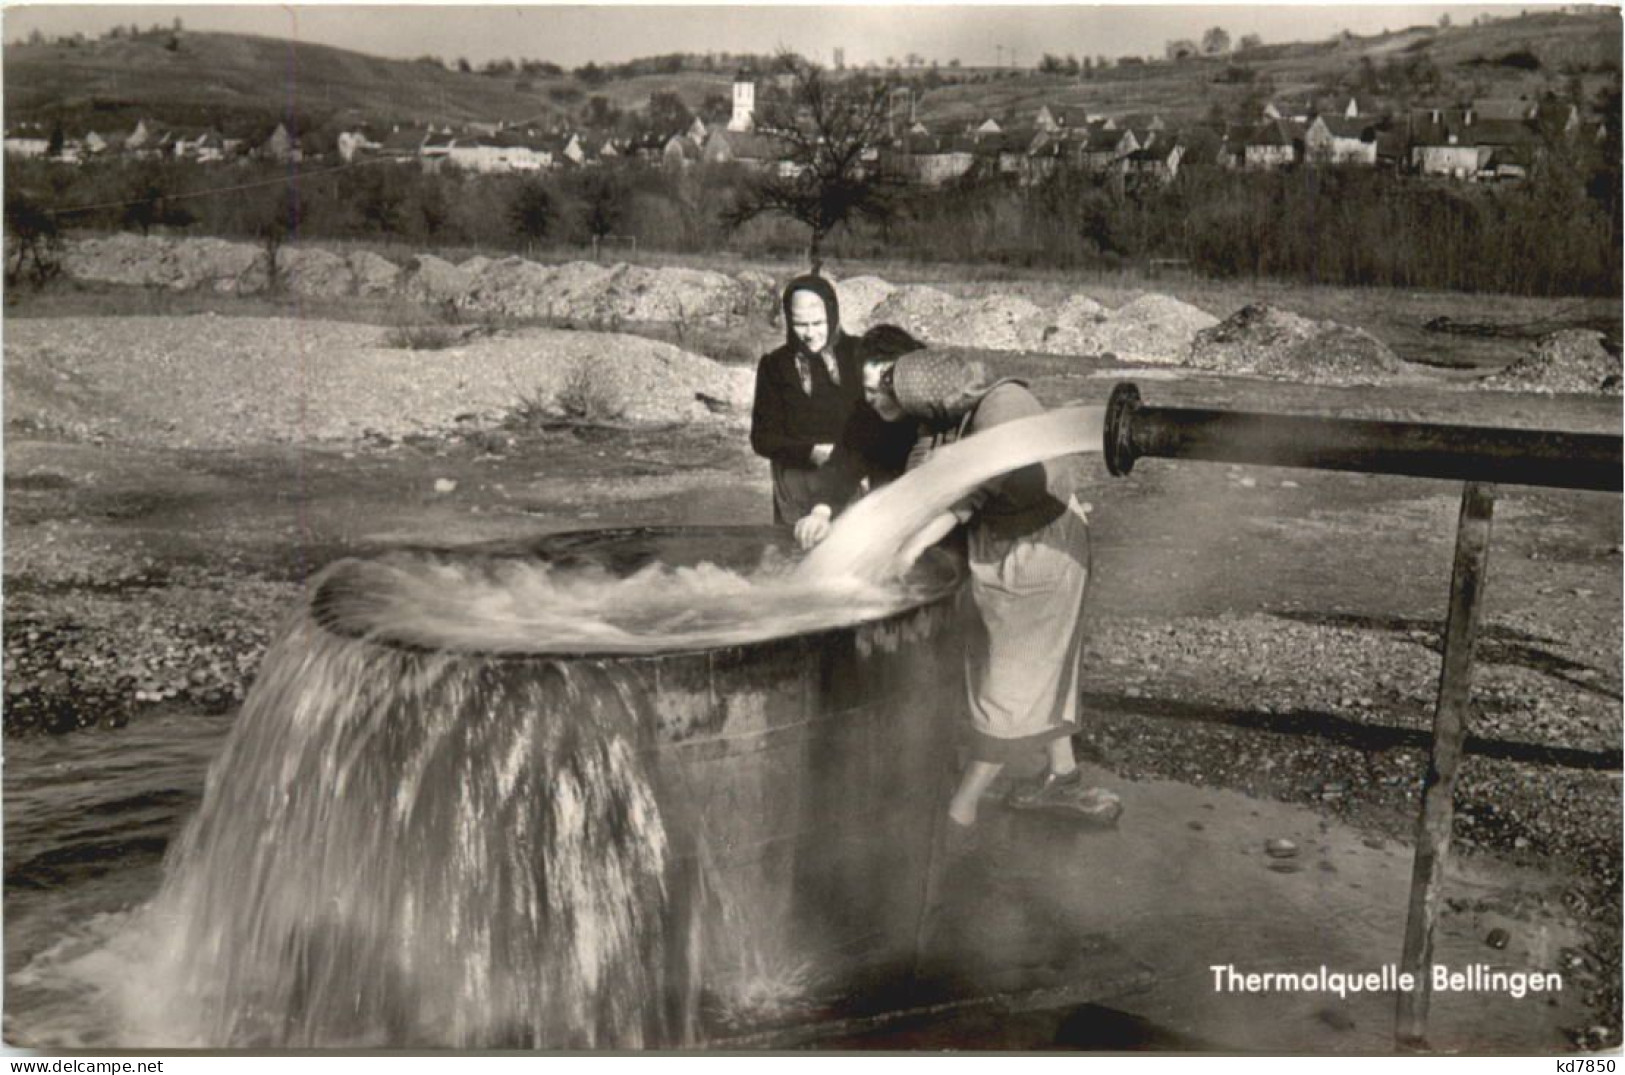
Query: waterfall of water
{"points": [[439, 821], [866, 538], [402, 848]]}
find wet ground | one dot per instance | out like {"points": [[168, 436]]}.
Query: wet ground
{"points": [[1264, 648], [1130, 921]]}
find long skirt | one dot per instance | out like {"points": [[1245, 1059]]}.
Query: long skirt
{"points": [[1025, 654]]}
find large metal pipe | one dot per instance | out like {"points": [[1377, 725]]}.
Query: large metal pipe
{"points": [[1419, 449]]}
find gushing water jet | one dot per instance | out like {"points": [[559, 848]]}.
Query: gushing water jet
{"points": [[497, 799]]}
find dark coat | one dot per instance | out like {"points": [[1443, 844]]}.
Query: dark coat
{"points": [[787, 421]]}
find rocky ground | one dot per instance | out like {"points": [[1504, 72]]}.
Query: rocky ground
{"points": [[170, 483], [1140, 326]]}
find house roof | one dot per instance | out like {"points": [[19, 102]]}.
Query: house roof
{"points": [[1344, 127], [682, 146], [406, 138], [1505, 108], [748, 145], [1481, 132], [1010, 141], [1100, 140], [1276, 132], [1501, 132]]}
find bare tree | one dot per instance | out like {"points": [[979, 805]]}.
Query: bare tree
{"points": [[1216, 42], [825, 178], [34, 243]]}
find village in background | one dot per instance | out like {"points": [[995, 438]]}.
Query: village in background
{"points": [[1450, 146]]}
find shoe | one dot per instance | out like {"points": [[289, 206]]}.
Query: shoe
{"points": [[1097, 806], [1046, 790]]}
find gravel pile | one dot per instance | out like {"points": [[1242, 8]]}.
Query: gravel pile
{"points": [[859, 296], [996, 323], [314, 271], [1267, 341], [675, 295], [759, 295], [600, 295], [1073, 325], [923, 311], [218, 265], [1151, 329], [211, 381], [1573, 360], [373, 275], [434, 281], [573, 290], [174, 264], [516, 288]]}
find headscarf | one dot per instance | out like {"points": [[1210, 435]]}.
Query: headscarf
{"points": [[942, 384], [832, 308]]}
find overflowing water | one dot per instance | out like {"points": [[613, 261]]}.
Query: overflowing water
{"points": [[434, 822], [866, 538], [414, 849], [505, 605]]}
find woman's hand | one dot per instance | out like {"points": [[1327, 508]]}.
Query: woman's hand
{"points": [[821, 454], [933, 532], [813, 527]]}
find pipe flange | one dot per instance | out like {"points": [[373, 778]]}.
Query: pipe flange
{"points": [[1119, 435]]}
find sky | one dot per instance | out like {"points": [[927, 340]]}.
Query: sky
{"points": [[572, 35]]}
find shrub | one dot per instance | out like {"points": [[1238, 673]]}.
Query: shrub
{"points": [[423, 337], [410, 332], [585, 396]]}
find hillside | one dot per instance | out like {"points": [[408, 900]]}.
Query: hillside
{"points": [[230, 79], [1470, 62]]}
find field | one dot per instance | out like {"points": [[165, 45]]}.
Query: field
{"points": [[1255, 631], [233, 79]]}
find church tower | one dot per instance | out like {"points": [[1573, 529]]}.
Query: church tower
{"points": [[744, 117]]}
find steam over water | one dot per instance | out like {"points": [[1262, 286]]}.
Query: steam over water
{"points": [[434, 822]]}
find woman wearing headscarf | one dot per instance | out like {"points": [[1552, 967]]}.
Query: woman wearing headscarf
{"points": [[805, 392], [1028, 540]]}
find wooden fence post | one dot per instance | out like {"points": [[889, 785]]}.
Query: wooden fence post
{"points": [[1449, 731]]}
